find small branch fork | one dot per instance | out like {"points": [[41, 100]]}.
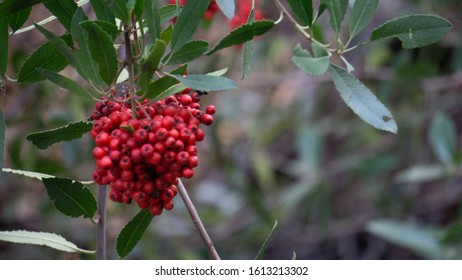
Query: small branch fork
{"points": [[197, 222]]}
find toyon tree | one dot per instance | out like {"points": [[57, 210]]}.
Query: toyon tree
{"points": [[147, 119]]}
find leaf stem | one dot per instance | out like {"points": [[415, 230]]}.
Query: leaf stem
{"points": [[197, 221], [101, 224]]}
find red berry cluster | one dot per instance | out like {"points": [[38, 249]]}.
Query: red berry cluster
{"points": [[209, 13], [142, 157], [243, 8]]}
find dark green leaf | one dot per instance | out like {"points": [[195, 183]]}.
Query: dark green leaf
{"points": [[69, 132], [303, 10], [266, 242], [139, 8], [162, 84], [121, 9], [46, 57], [361, 15], [65, 82], [170, 91], [413, 31], [337, 10], [8, 7], [59, 44], [2, 139], [206, 82], [51, 240], [70, 197], [111, 29], [132, 232], [187, 22], [151, 63], [227, 7], [3, 46], [103, 11], [17, 19], [188, 52], [166, 34], [88, 68], [103, 52], [167, 13], [314, 66], [243, 34], [152, 14], [64, 10], [362, 101], [443, 138]]}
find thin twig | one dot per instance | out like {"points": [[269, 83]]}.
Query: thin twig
{"points": [[101, 224], [197, 222]]}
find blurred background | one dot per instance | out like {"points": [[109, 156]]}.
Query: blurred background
{"points": [[283, 147]]}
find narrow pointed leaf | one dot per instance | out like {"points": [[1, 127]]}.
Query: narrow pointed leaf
{"points": [[413, 31], [121, 10], [266, 242], [8, 7], [337, 10], [362, 101], [152, 14], [63, 10], [70, 197], [187, 22], [166, 34], [303, 10], [46, 57], [3, 45], [243, 34], [314, 66], [156, 52], [361, 15], [443, 138], [162, 84], [65, 83], [72, 131], [2, 139], [37, 175], [51, 240], [132, 232], [170, 91], [103, 11], [188, 52], [59, 44], [17, 19], [167, 13], [227, 7], [206, 82], [103, 52]]}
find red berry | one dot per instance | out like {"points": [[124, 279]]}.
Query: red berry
{"points": [[98, 152], [210, 109]]}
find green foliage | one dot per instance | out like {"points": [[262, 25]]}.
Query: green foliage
{"points": [[414, 31], [303, 10], [102, 10], [206, 82], [63, 10], [190, 51], [265, 243], [152, 13], [132, 232], [8, 7], [442, 138], [337, 10], [51, 240], [17, 19], [361, 15], [314, 66], [69, 132], [70, 197], [3, 45]]}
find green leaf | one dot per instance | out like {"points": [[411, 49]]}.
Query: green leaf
{"points": [[3, 46], [303, 10], [59, 44], [152, 14], [166, 34], [206, 82], [103, 11], [88, 68], [103, 52], [190, 51], [151, 63], [421, 240], [227, 7], [72, 131], [2, 139], [265, 244], [121, 9], [443, 137], [362, 101], [170, 91], [65, 82], [17, 19], [162, 84], [8, 7], [337, 10], [37, 175], [314, 66], [243, 34], [132, 232], [46, 57], [63, 10], [70, 197], [361, 15], [51, 240], [111, 29], [139, 8], [167, 13], [187, 22], [413, 31]]}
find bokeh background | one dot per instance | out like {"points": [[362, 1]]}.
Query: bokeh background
{"points": [[283, 147]]}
